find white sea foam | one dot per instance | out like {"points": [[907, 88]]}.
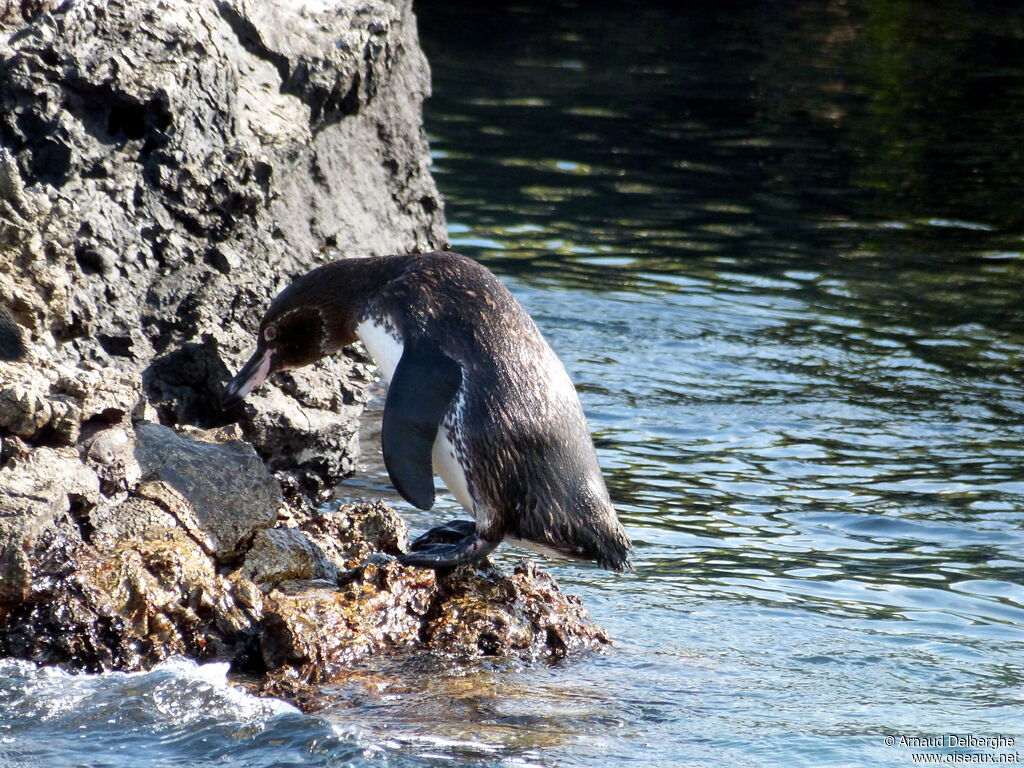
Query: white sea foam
{"points": [[178, 713], [178, 690]]}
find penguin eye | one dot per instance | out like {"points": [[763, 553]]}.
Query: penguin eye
{"points": [[270, 332]]}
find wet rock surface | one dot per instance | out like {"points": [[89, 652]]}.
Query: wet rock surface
{"points": [[165, 168], [313, 634], [137, 542]]}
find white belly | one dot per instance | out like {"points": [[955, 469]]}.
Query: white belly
{"points": [[386, 350], [384, 347], [533, 546], [447, 466]]}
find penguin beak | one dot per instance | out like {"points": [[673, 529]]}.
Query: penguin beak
{"points": [[253, 374]]}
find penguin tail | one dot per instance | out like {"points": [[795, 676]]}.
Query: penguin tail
{"points": [[614, 556]]}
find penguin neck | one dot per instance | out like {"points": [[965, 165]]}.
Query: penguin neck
{"points": [[383, 343], [340, 291]]}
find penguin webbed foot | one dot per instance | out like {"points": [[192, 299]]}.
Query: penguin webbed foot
{"points": [[451, 532], [445, 554]]}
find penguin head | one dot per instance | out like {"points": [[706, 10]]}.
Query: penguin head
{"points": [[303, 324]]}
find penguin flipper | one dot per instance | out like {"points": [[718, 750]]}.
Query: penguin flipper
{"points": [[422, 389]]}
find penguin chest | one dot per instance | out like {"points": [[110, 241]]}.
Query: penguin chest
{"points": [[449, 464], [385, 347]]}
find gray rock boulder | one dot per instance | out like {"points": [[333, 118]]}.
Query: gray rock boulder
{"points": [[286, 554], [224, 493]]}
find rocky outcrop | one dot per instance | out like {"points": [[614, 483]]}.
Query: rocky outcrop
{"points": [[219, 490], [311, 633], [125, 542], [165, 168]]}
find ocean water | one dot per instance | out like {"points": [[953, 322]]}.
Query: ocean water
{"points": [[779, 248]]}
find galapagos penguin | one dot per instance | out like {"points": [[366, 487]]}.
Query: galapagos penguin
{"points": [[475, 393]]}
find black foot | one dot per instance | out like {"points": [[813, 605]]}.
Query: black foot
{"points": [[451, 532], [467, 550]]}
